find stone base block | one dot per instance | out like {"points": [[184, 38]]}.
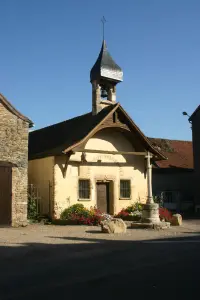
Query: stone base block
{"points": [[19, 224], [157, 226], [150, 213], [176, 220]]}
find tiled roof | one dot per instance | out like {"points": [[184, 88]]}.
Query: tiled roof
{"points": [[179, 153], [57, 137], [105, 66], [65, 136]]}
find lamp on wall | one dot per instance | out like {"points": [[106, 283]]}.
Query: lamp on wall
{"points": [[186, 114]]}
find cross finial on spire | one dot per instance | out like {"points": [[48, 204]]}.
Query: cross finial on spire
{"points": [[103, 20]]}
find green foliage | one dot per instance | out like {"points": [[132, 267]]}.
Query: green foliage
{"points": [[132, 212], [137, 206], [129, 216], [76, 209], [32, 207]]}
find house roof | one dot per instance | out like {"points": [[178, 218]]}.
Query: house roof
{"points": [[57, 137], [105, 66], [63, 137], [179, 153], [13, 110], [194, 113]]}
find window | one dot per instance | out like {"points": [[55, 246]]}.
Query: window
{"points": [[84, 188], [125, 188]]}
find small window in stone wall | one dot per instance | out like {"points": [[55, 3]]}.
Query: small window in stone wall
{"points": [[84, 188], [125, 188]]}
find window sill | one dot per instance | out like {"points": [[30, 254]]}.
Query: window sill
{"points": [[125, 198], [81, 199]]}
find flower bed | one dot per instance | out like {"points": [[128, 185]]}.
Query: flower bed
{"points": [[131, 213], [134, 213], [77, 214]]}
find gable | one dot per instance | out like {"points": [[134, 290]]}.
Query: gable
{"points": [[120, 119], [110, 139], [13, 138], [5, 104], [70, 134], [10, 126], [114, 120]]}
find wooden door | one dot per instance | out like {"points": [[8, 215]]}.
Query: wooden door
{"points": [[103, 197], [5, 195]]}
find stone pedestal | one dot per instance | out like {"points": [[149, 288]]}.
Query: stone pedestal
{"points": [[157, 226], [150, 213]]}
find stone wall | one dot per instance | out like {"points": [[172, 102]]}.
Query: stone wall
{"points": [[14, 149]]}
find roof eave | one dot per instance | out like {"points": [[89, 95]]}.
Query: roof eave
{"points": [[194, 113], [157, 154], [13, 110], [91, 132]]}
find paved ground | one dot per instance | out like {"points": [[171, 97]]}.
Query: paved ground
{"points": [[53, 261]]}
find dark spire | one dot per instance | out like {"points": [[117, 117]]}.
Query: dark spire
{"points": [[106, 67]]}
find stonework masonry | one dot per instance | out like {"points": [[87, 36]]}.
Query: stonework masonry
{"points": [[14, 150]]}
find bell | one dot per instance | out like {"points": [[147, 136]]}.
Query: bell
{"points": [[104, 93]]}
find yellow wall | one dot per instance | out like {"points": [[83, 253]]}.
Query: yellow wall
{"points": [[100, 167], [40, 174]]}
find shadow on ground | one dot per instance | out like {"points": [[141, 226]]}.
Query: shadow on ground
{"points": [[91, 268]]}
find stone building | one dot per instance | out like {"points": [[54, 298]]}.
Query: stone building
{"points": [[99, 158], [14, 128]]}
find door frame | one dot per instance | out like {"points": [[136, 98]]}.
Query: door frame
{"points": [[110, 192]]}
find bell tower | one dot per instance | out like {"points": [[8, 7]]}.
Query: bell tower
{"points": [[104, 76]]}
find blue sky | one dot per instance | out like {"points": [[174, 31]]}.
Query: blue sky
{"points": [[49, 46]]}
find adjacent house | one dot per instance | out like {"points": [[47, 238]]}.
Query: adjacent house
{"points": [[173, 178], [99, 158], [14, 128], [195, 121]]}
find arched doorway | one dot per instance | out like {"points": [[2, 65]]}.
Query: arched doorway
{"points": [[5, 194]]}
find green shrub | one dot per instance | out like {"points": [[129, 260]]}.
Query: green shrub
{"points": [[77, 209], [131, 213], [129, 216], [137, 206], [32, 212]]}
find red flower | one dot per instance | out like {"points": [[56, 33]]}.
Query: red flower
{"points": [[165, 214]]}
